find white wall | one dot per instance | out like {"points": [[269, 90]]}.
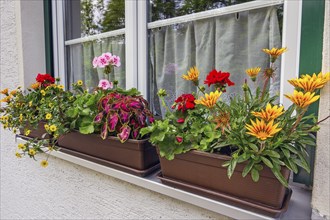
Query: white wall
{"points": [[63, 190], [321, 192]]}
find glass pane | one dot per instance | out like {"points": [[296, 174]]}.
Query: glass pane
{"points": [[163, 9], [230, 43], [80, 57], [89, 17]]}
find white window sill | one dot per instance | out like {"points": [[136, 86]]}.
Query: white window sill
{"points": [[299, 207]]}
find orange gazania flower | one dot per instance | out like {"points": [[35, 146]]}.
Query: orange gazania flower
{"points": [[4, 91], [253, 72], [192, 74], [222, 121], [270, 113], [6, 99], [261, 130], [275, 52], [302, 99], [310, 83], [210, 99], [35, 85]]}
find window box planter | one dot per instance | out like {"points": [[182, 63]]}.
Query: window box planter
{"points": [[202, 173], [37, 132], [137, 157]]}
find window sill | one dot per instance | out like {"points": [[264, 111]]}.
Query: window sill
{"points": [[299, 207]]}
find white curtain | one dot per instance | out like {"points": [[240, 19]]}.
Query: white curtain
{"points": [[230, 43], [82, 55]]}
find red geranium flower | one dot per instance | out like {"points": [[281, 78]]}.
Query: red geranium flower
{"points": [[185, 101], [45, 79], [219, 79]]}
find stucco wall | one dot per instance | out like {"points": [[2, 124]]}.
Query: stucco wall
{"points": [[321, 192], [63, 190]]}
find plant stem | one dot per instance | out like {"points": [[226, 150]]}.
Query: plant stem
{"points": [[300, 116]]}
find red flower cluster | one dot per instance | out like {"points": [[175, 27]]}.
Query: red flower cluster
{"points": [[220, 79], [184, 102], [45, 79]]}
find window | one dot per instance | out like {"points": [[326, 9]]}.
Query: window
{"points": [[221, 34]]}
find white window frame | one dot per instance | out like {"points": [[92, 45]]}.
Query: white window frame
{"points": [[136, 28]]}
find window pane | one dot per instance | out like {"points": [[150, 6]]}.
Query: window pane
{"points": [[230, 43], [80, 57], [163, 9], [89, 17]]}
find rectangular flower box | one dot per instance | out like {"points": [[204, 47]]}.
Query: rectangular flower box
{"points": [[202, 173], [137, 157], [38, 132]]}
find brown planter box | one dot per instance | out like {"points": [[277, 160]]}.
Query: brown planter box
{"points": [[204, 171], [138, 157], [37, 132]]}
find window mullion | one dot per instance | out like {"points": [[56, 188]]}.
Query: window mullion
{"points": [[131, 41]]}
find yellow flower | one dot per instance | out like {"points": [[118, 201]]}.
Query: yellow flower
{"points": [[46, 127], [275, 52], [222, 120], [5, 118], [21, 146], [44, 163], [50, 105], [20, 117], [35, 85], [302, 99], [4, 91], [310, 83], [80, 83], [50, 148], [53, 128], [253, 72], [27, 132], [261, 130], [42, 100], [18, 155], [43, 93], [270, 113], [30, 103], [60, 86], [48, 116], [192, 74], [210, 99], [32, 152], [14, 92], [6, 99]]}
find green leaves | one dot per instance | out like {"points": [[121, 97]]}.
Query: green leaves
{"points": [[89, 129]]}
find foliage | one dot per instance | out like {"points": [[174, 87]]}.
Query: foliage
{"points": [[25, 109], [252, 129]]}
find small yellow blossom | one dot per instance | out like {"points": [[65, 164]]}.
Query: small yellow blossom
{"points": [[32, 152], [4, 91], [48, 116], [21, 146], [53, 128], [43, 93], [192, 74], [270, 113], [253, 73], [18, 155], [310, 83], [301, 99], [20, 117], [44, 163], [275, 52], [30, 103], [50, 148], [261, 130], [27, 132], [50, 105], [60, 86], [42, 100], [46, 126], [210, 99], [5, 118], [80, 83]]}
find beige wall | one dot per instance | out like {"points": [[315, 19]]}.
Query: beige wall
{"points": [[62, 190], [321, 192]]}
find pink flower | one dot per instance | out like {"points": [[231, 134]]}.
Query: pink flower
{"points": [[107, 56], [180, 120], [115, 61], [102, 62], [95, 62], [105, 84]]}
